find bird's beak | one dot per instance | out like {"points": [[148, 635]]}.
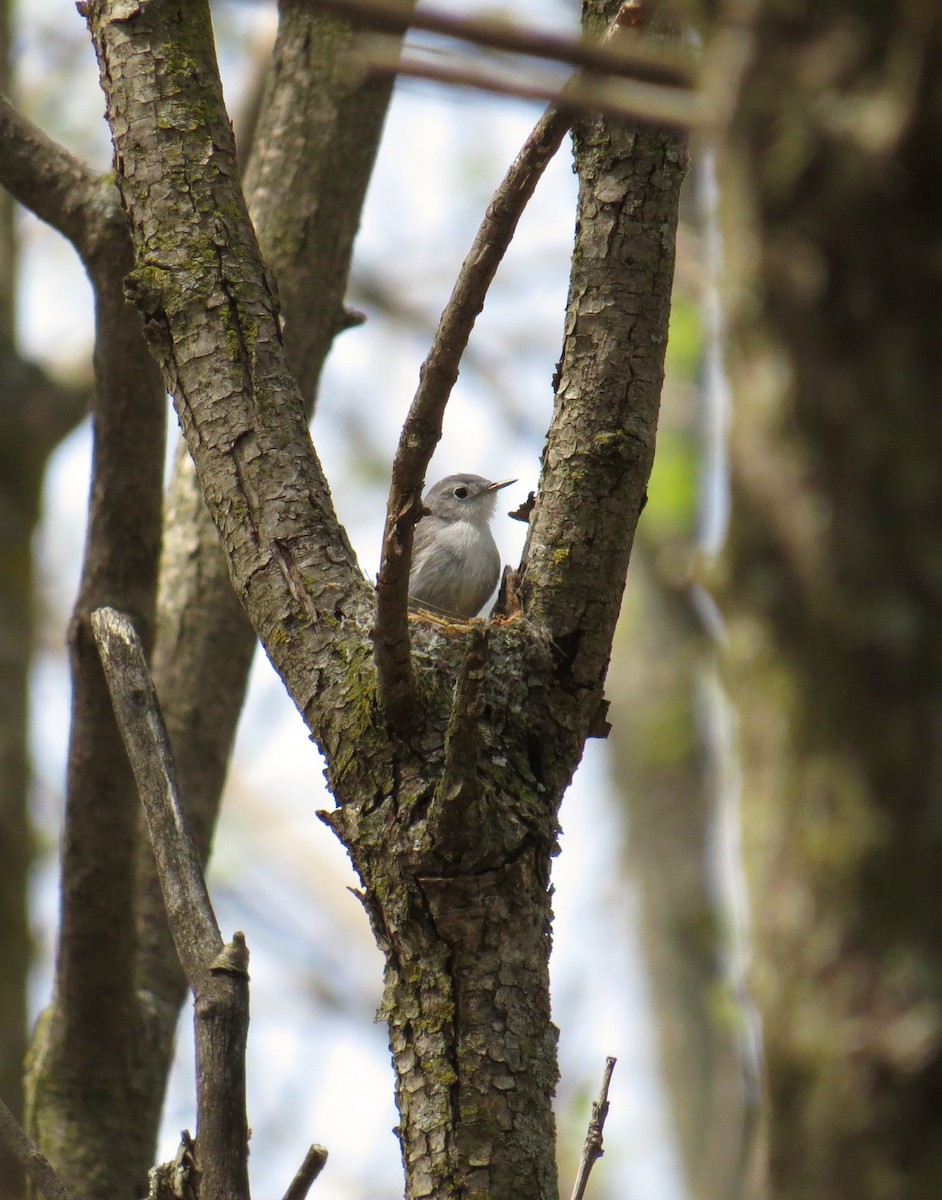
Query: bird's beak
{"points": [[495, 487]]}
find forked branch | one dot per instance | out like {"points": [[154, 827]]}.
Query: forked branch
{"points": [[422, 428], [423, 425]]}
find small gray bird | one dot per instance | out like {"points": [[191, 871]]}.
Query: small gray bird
{"points": [[455, 562]]}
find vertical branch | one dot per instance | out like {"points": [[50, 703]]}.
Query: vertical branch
{"points": [[35, 414], [325, 119], [592, 1147], [600, 445]]}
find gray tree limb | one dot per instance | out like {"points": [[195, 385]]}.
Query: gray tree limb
{"points": [[55, 185], [189, 910], [217, 974], [635, 59], [608, 387]]}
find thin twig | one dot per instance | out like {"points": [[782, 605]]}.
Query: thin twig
{"points": [[629, 99], [592, 1147], [626, 58], [189, 911], [31, 1158], [308, 1171]]}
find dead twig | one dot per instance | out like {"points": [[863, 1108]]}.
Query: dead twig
{"points": [[592, 1147], [217, 972], [189, 910], [308, 1171]]}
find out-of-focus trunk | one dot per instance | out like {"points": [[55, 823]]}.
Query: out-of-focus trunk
{"points": [[832, 184]]}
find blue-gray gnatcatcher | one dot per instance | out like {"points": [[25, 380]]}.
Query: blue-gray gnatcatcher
{"points": [[455, 562]]}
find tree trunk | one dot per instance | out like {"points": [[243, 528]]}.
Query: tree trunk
{"points": [[834, 210]]}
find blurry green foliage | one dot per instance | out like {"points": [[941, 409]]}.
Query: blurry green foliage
{"points": [[685, 338]]}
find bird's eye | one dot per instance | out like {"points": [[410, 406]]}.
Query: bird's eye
{"points": [[461, 492]]}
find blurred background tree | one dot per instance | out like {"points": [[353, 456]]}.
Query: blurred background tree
{"points": [[833, 207]]}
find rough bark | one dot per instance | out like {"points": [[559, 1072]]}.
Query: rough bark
{"points": [[608, 386], [834, 203], [315, 141], [451, 828]]}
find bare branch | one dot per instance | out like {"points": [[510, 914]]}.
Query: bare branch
{"points": [[600, 444], [592, 1147], [217, 973], [240, 410], [630, 99], [325, 120], [95, 976], [49, 181], [626, 58], [192, 920], [308, 1171], [31, 1158]]}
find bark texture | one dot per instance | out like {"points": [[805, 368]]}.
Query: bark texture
{"points": [[315, 141], [608, 386], [833, 207]]}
